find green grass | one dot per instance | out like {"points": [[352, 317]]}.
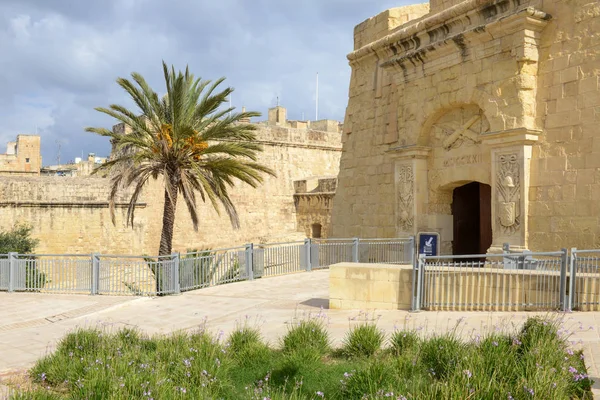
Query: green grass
{"points": [[532, 363]]}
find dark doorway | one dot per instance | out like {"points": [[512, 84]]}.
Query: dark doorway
{"points": [[316, 231], [472, 212]]}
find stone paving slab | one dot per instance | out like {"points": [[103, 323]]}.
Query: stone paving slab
{"points": [[270, 303]]}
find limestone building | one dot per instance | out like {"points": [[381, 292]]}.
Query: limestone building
{"points": [[22, 156], [476, 119]]}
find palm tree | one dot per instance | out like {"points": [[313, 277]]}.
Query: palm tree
{"points": [[185, 138]]}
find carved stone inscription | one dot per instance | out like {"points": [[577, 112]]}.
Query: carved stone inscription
{"points": [[406, 184], [462, 160], [509, 194]]}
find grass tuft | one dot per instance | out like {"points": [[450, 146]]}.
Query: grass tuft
{"points": [[363, 340]]}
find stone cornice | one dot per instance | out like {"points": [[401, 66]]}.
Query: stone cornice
{"points": [[433, 31], [409, 152], [518, 136]]}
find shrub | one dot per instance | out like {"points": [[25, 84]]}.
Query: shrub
{"points": [[363, 340], [376, 377], [18, 240], [307, 334], [403, 341], [441, 355], [243, 338]]}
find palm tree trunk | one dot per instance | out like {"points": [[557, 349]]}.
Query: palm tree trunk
{"points": [[166, 236]]}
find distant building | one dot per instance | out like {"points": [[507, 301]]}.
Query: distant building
{"points": [[79, 167], [22, 156]]}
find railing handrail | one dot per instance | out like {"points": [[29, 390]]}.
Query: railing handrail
{"points": [[53, 255], [462, 256], [577, 251], [260, 245], [212, 251]]}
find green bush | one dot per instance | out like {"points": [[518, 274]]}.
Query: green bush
{"points": [[363, 340], [441, 355], [376, 377], [18, 240], [307, 334], [403, 341]]}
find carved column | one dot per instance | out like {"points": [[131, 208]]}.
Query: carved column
{"points": [[410, 164], [511, 156]]}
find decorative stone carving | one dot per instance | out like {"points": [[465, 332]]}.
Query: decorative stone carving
{"points": [[406, 185], [509, 193], [461, 125]]}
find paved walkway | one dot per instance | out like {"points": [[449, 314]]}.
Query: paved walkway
{"points": [[32, 323]]}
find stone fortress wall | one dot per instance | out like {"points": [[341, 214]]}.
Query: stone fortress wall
{"points": [[505, 93], [70, 214]]}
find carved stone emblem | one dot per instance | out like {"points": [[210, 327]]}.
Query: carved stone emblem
{"points": [[509, 193], [462, 125], [405, 198]]}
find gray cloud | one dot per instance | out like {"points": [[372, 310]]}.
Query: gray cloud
{"points": [[61, 58]]}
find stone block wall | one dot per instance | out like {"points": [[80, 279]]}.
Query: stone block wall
{"points": [[70, 214], [565, 171], [370, 286], [497, 92], [313, 206]]}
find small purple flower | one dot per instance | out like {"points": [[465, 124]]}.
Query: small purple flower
{"points": [[570, 352], [467, 373], [43, 376], [495, 343], [572, 370], [320, 394]]}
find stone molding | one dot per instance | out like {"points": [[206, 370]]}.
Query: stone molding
{"points": [[511, 137], [446, 27], [409, 152]]}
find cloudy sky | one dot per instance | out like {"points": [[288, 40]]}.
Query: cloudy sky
{"points": [[60, 58]]}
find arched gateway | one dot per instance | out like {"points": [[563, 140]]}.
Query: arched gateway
{"points": [[459, 184]]}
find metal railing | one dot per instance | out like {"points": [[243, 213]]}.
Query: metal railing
{"points": [[205, 268], [584, 280], [155, 276], [509, 281]]}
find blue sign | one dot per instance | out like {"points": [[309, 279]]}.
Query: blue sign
{"points": [[429, 243]]}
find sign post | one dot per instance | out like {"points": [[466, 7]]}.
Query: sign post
{"points": [[429, 243]]}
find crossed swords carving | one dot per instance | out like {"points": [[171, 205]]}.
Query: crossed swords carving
{"points": [[463, 131]]}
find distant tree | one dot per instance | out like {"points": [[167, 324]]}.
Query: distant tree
{"points": [[185, 138], [18, 240]]}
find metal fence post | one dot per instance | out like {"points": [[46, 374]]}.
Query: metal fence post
{"points": [[419, 283], [572, 277], [307, 245], [249, 261], [355, 243], [563, 280], [413, 251], [175, 273], [12, 271], [95, 273]]}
